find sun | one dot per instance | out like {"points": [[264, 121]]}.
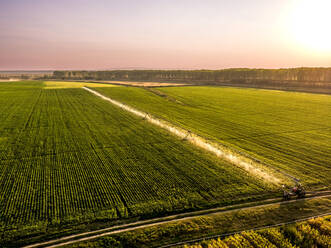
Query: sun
{"points": [[310, 24]]}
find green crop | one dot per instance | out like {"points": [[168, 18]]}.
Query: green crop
{"points": [[307, 235], [68, 157], [286, 130]]}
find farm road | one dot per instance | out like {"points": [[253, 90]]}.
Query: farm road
{"points": [[164, 220]]}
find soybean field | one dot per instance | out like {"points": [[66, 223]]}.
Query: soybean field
{"points": [[288, 131], [68, 158]]}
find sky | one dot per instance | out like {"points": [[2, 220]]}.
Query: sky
{"points": [[163, 34]]}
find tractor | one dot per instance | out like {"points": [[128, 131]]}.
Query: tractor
{"points": [[297, 190]]}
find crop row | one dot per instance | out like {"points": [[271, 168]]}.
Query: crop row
{"points": [[69, 157], [286, 130], [313, 233]]}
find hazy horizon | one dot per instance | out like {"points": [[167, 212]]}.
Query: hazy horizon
{"points": [[128, 69], [210, 34]]}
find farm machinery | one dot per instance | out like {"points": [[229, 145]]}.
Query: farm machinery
{"points": [[297, 190]]}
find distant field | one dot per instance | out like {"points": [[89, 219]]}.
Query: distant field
{"points": [[144, 84], [293, 79], [68, 157], [67, 85], [289, 131]]}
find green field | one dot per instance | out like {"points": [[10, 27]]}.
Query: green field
{"points": [[217, 224], [69, 158], [312, 233], [286, 130], [70, 85]]}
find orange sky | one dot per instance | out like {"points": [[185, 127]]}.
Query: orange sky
{"points": [[163, 34]]}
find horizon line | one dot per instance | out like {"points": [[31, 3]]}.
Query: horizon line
{"points": [[163, 69]]}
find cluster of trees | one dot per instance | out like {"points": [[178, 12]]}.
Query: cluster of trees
{"points": [[25, 75], [227, 75]]}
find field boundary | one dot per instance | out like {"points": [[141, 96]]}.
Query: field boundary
{"points": [[252, 166], [164, 220], [245, 230]]}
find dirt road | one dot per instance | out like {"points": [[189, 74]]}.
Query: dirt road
{"points": [[163, 220], [145, 84]]}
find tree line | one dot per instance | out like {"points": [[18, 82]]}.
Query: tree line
{"points": [[226, 75]]}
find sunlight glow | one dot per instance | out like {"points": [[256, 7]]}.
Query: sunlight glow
{"points": [[310, 24]]}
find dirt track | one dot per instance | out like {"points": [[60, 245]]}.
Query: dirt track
{"points": [[10, 80], [246, 230], [162, 220], [145, 84]]}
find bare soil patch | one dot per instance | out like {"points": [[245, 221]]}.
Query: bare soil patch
{"points": [[146, 84]]}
